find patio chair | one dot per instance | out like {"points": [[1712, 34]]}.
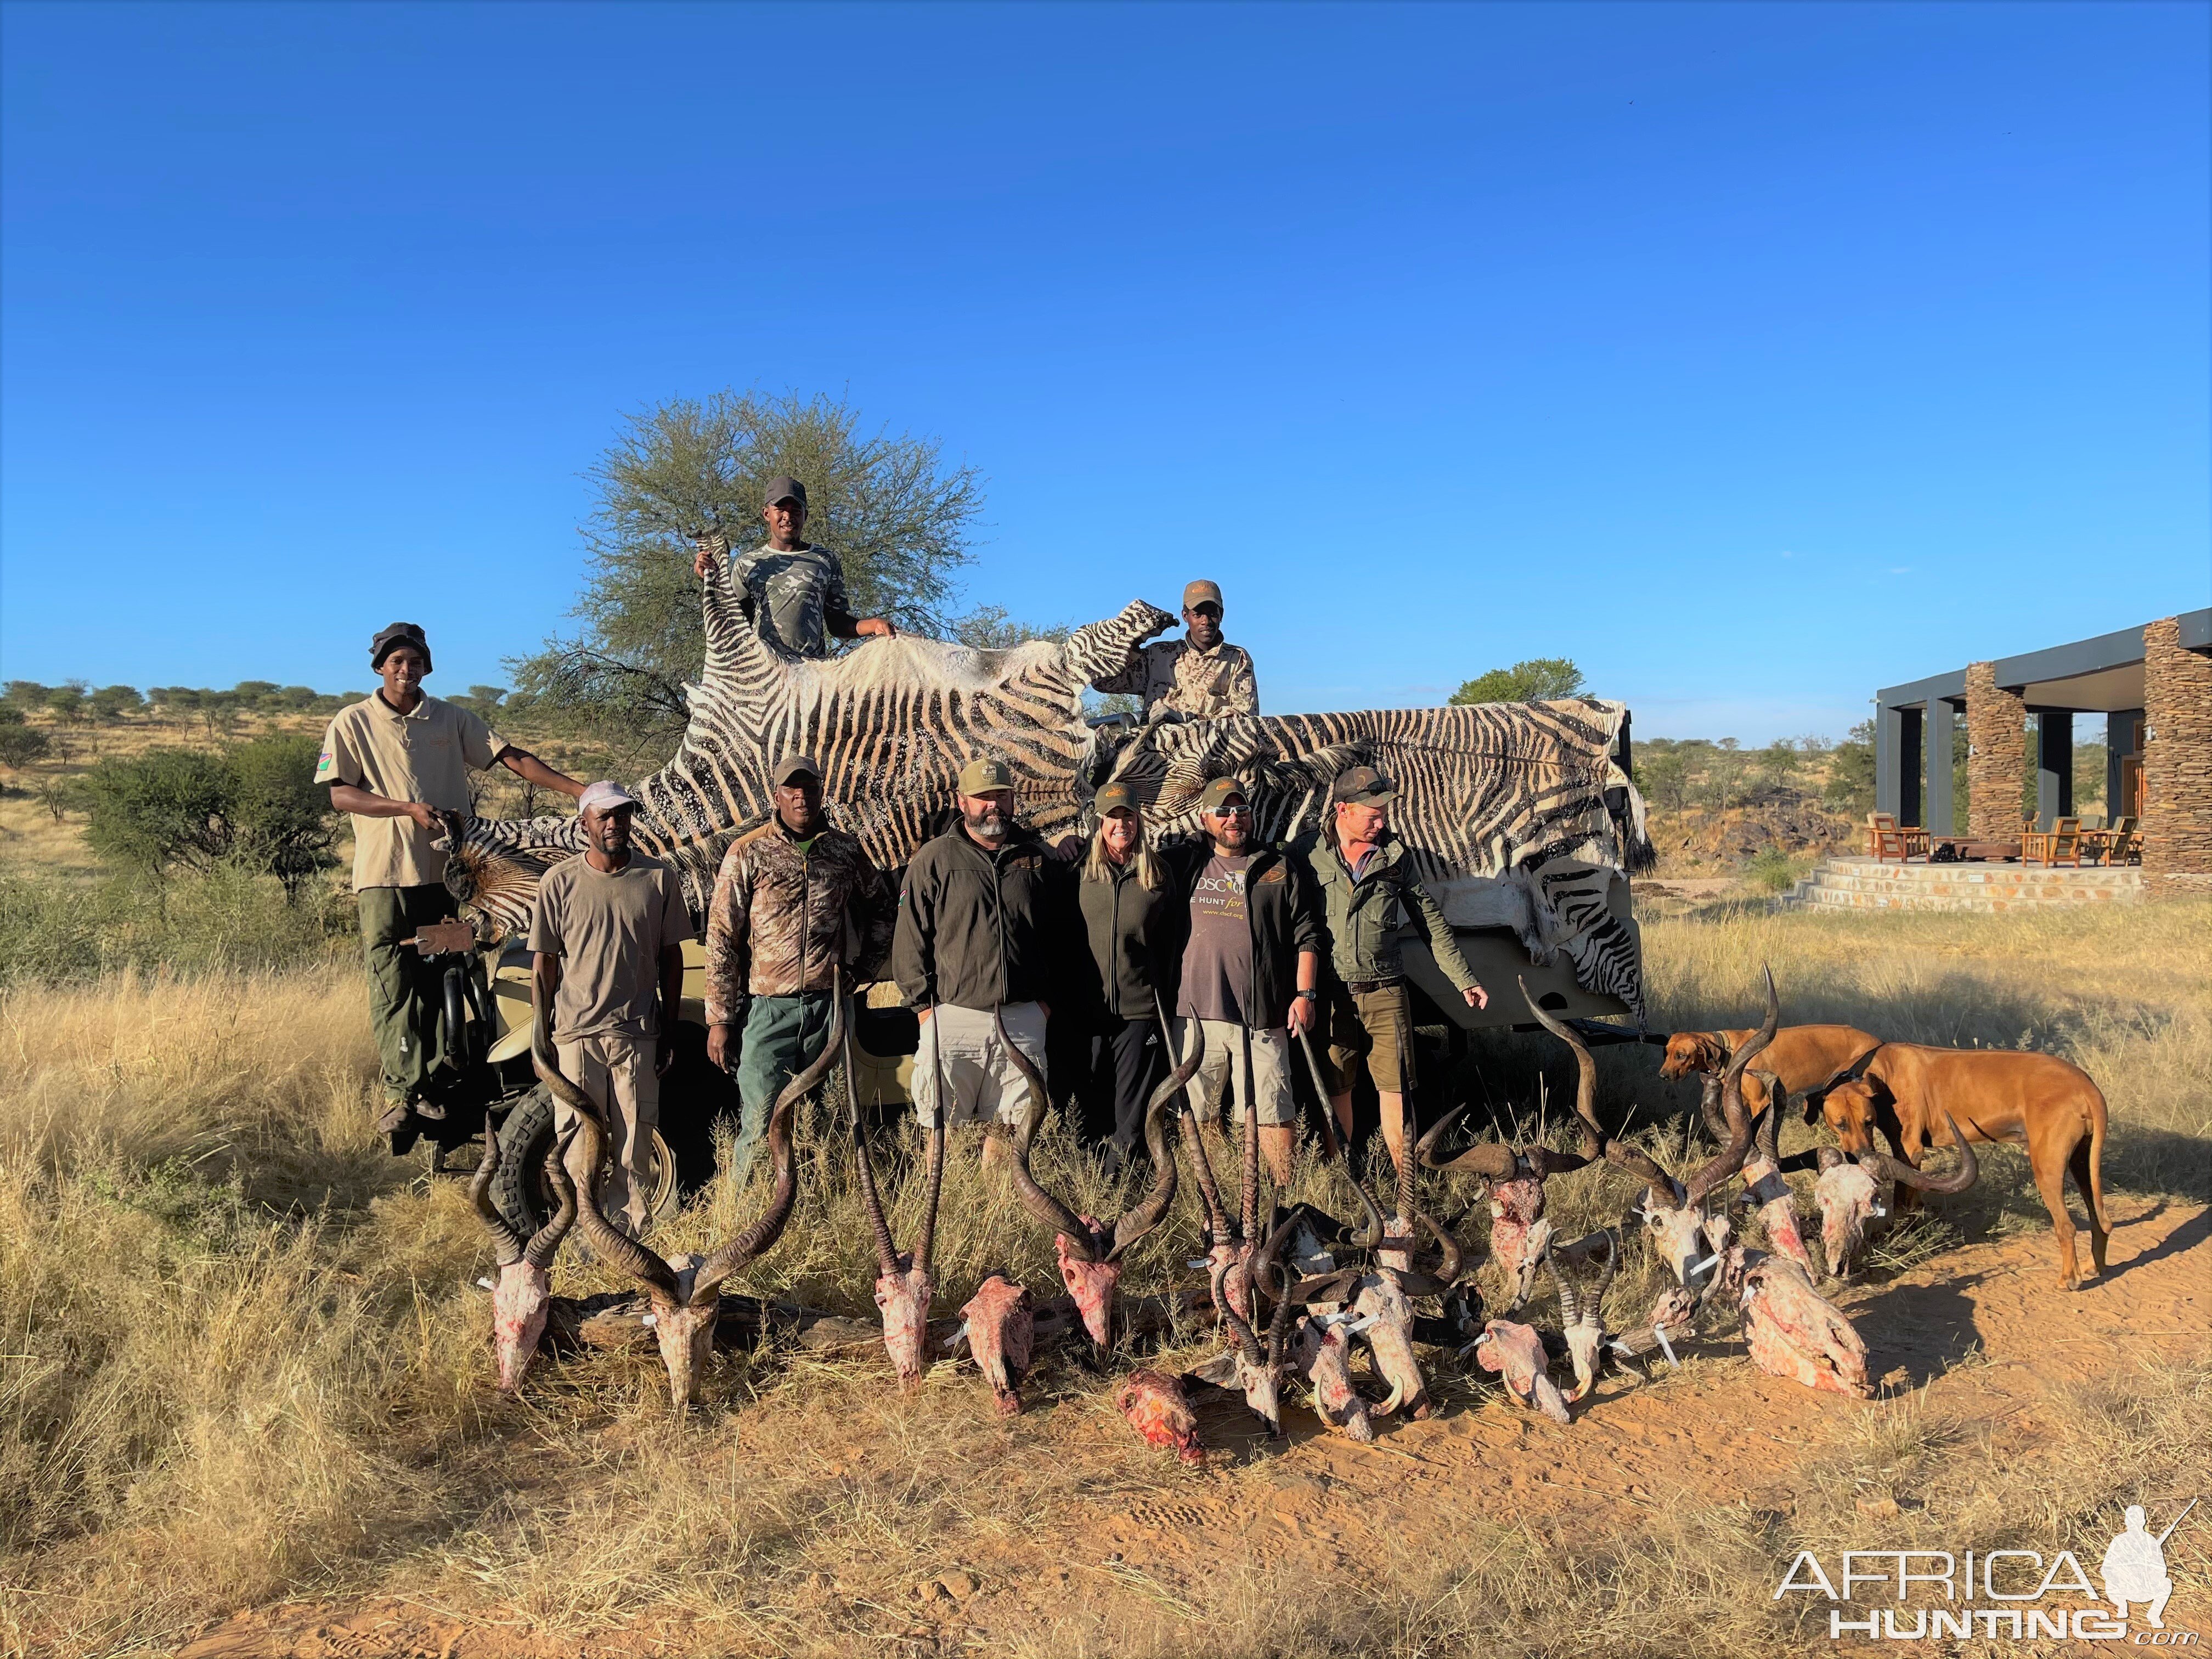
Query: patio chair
{"points": [[2060, 844], [2124, 842], [1886, 838]]}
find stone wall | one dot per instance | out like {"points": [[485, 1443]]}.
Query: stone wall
{"points": [[1997, 755], [2176, 757]]}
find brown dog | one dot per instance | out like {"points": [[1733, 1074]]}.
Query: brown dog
{"points": [[1803, 1056], [2039, 1100]]}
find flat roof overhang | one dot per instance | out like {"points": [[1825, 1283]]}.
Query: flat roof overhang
{"points": [[2103, 675]]}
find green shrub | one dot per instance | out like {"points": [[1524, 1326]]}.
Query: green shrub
{"points": [[229, 917], [258, 806], [1773, 869]]}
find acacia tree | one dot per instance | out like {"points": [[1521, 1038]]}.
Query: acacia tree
{"points": [[1537, 679], [897, 514]]}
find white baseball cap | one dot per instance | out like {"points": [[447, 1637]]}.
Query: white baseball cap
{"points": [[604, 797]]}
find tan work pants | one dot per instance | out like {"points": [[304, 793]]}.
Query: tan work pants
{"points": [[614, 1070]]}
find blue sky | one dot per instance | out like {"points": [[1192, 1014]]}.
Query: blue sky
{"points": [[1753, 357]]}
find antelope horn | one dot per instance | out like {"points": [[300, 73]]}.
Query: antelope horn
{"points": [[741, 1250], [925, 1244], [1265, 1264], [1371, 1233], [1490, 1160], [871, 1200], [639, 1260], [1585, 1076], [1450, 1258], [1082, 1244], [1709, 1108], [506, 1249], [1216, 1221], [1890, 1169], [1738, 1144], [545, 1243], [1406, 1118], [1148, 1215], [1569, 1314], [1769, 1136]]}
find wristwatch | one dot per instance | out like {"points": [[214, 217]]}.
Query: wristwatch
{"points": [[1308, 996]]}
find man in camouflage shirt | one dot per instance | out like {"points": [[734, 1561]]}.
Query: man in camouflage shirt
{"points": [[1200, 676], [793, 591], [793, 899]]}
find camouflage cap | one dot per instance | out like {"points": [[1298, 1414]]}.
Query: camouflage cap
{"points": [[1115, 796], [1362, 784], [981, 777], [1219, 792]]}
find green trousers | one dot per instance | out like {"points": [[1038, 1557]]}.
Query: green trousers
{"points": [[782, 1036], [406, 991]]}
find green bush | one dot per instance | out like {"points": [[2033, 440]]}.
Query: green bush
{"points": [[258, 806], [1772, 869]]}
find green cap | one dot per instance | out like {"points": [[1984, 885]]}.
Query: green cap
{"points": [[981, 777], [1365, 785], [1115, 796], [1218, 793]]}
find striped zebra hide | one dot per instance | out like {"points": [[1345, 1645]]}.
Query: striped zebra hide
{"points": [[1518, 816]]}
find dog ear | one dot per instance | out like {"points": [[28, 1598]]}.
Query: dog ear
{"points": [[1816, 1101], [1711, 1055]]}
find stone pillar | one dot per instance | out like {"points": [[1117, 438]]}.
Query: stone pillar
{"points": [[1997, 755], [2176, 757]]}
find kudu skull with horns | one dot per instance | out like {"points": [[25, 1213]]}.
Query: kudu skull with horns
{"points": [[686, 1299]]}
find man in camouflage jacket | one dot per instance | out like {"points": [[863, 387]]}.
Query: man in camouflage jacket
{"points": [[793, 899], [1200, 676]]}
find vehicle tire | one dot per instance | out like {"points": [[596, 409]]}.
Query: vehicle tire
{"points": [[519, 1190]]}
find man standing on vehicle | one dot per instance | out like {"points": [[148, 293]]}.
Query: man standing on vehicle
{"points": [[1370, 898], [978, 907], [1250, 966], [1200, 676], [608, 934], [395, 761], [793, 590], [794, 900]]}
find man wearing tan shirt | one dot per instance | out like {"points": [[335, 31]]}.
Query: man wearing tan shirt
{"points": [[608, 934], [394, 761]]}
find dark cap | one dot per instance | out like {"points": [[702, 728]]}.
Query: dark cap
{"points": [[1365, 785], [1202, 593], [783, 489], [1216, 794], [1115, 796], [391, 638], [981, 777], [793, 765]]}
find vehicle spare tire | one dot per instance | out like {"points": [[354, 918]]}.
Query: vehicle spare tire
{"points": [[519, 1190]]}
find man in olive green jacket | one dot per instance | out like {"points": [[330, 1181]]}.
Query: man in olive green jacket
{"points": [[1370, 896]]}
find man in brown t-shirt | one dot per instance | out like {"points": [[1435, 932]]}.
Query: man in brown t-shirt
{"points": [[395, 760], [609, 933]]}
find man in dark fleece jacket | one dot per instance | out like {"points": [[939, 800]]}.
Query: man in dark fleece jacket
{"points": [[970, 950]]}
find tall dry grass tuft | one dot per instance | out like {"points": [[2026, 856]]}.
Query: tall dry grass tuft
{"points": [[241, 1363]]}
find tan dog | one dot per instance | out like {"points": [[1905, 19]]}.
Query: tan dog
{"points": [[2039, 1101], [1803, 1056]]}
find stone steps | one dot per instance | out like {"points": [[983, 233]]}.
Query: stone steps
{"points": [[1861, 883]]}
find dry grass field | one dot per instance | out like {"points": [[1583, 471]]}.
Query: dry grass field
{"points": [[246, 1404]]}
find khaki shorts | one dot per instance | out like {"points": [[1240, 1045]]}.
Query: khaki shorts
{"points": [[1373, 1029], [1223, 1062], [981, 1082], [614, 1071]]}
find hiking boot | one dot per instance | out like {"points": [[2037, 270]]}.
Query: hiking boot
{"points": [[394, 1118], [429, 1111]]}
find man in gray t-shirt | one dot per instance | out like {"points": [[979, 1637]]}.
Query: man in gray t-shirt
{"points": [[794, 592]]}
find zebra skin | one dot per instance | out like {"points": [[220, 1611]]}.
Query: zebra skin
{"points": [[1516, 812]]}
